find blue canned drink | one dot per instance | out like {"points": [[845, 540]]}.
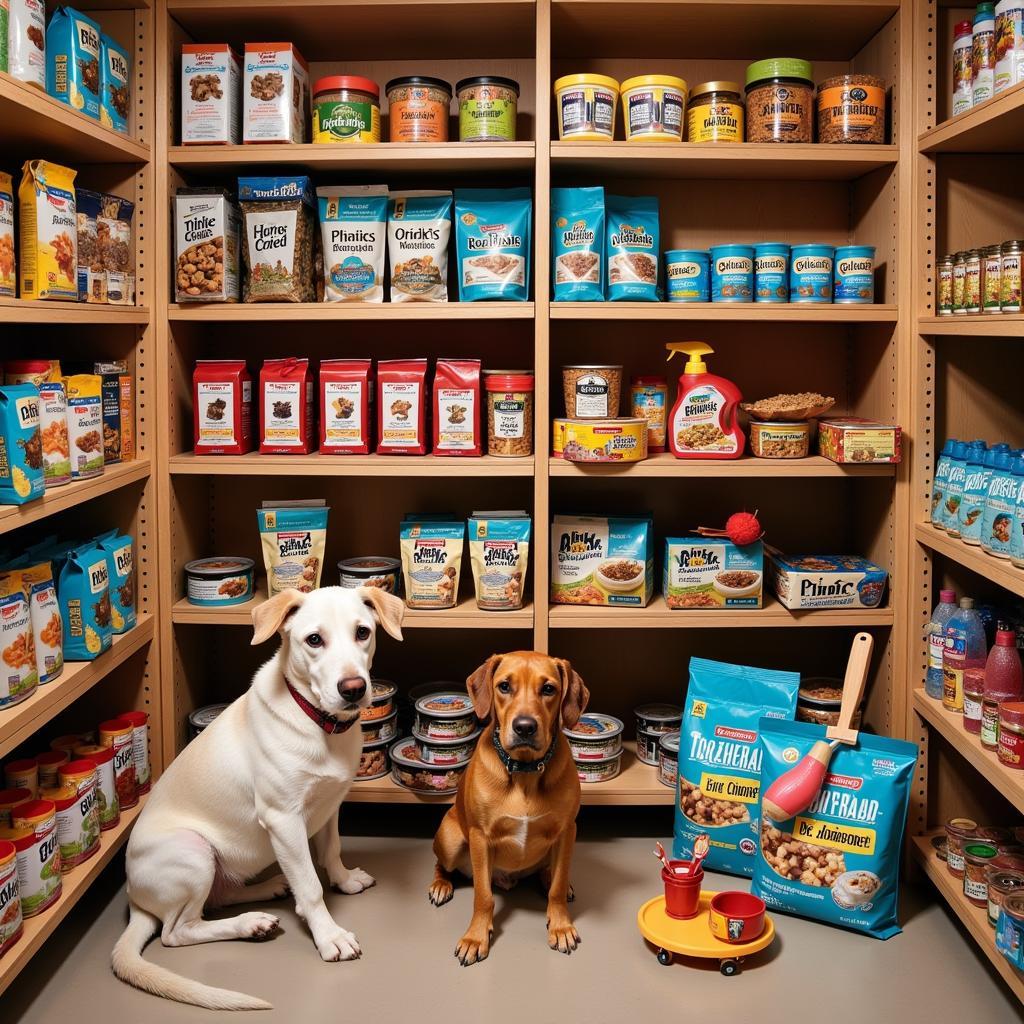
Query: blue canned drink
{"points": [[771, 272], [686, 271], [855, 273], [732, 273], [810, 273]]}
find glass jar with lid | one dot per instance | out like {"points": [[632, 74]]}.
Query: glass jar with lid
{"points": [[977, 858], [780, 100], [958, 831], [346, 108], [991, 262], [715, 113], [1009, 276], [944, 298]]}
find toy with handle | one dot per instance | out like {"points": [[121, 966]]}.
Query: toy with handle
{"points": [[795, 791]]}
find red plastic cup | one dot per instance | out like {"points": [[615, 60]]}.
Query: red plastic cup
{"points": [[682, 894]]}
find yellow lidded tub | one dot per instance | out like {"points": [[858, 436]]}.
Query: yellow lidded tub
{"points": [[586, 107], [653, 108], [619, 439]]}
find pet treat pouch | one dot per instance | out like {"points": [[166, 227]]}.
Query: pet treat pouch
{"points": [[18, 673], [577, 244], [48, 232], [719, 786], [119, 550], [47, 624], [53, 428], [115, 91], [114, 237], [286, 407], [73, 60], [633, 251], [85, 424], [222, 407], [84, 593], [431, 561], [26, 39], [346, 405], [293, 535], [92, 281], [499, 551], [353, 229], [492, 241], [419, 226], [456, 407], [21, 446], [838, 861], [402, 406]]}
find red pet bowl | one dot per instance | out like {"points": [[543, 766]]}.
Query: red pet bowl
{"points": [[736, 916]]}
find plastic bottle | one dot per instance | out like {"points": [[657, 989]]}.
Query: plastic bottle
{"points": [[1004, 675], [983, 54], [972, 503], [954, 485], [965, 648], [944, 611], [941, 481], [703, 422], [1009, 52], [962, 76], [1001, 504]]}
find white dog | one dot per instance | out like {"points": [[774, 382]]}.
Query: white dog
{"points": [[266, 776]]}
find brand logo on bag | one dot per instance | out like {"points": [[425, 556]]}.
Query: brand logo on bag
{"points": [[844, 781], [742, 735]]}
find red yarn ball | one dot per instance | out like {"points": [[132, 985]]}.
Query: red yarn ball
{"points": [[743, 528]]}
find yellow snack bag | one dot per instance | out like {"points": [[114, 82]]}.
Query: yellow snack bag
{"points": [[7, 261], [49, 232]]}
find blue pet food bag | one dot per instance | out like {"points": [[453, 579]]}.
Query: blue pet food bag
{"points": [[121, 571], [633, 248], [115, 92], [21, 445], [492, 242], [577, 244], [84, 595], [73, 60], [838, 861], [719, 780]]}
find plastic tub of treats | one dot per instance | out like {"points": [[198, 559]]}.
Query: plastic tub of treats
{"points": [[410, 771], [446, 752], [374, 762], [780, 100], [599, 771], [418, 109], [488, 105], [668, 759], [382, 700], [585, 107], [445, 716], [595, 737], [653, 108]]}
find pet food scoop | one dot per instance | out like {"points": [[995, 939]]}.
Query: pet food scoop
{"points": [[795, 791]]}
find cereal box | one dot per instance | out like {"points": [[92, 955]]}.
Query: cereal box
{"points": [[712, 572], [210, 78], [73, 60], [206, 243], [826, 581], [49, 232], [602, 561], [853, 439], [275, 99]]}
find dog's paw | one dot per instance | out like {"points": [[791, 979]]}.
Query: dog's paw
{"points": [[440, 891], [272, 889], [339, 945], [259, 926], [473, 947], [353, 881], [563, 938]]}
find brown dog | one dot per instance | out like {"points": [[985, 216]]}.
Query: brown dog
{"points": [[515, 811]]}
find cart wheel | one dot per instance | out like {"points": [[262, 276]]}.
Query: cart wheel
{"points": [[665, 958], [729, 968]]}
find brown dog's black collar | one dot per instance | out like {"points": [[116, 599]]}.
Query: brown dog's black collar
{"points": [[512, 766], [327, 722]]}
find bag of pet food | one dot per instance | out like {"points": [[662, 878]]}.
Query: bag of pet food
{"points": [[719, 785], [286, 407], [85, 424], [431, 561], [633, 248], [346, 406], [114, 236], [47, 625], [838, 861], [73, 60], [18, 673], [499, 552], [48, 232], [293, 535], [115, 91], [222, 407], [92, 281], [402, 407], [119, 549], [84, 594], [577, 244], [7, 259], [21, 445], [456, 407], [353, 229], [26, 41], [419, 226], [492, 242]]}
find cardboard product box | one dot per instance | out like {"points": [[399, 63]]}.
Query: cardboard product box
{"points": [[712, 572], [206, 240], [826, 581], [211, 74], [117, 398], [858, 440], [275, 94]]}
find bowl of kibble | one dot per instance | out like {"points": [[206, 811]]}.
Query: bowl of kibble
{"points": [[620, 574], [781, 427]]}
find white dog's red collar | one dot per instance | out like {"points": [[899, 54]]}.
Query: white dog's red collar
{"points": [[327, 722]]}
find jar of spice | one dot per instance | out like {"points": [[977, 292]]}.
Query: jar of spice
{"points": [[346, 108], [851, 108], [780, 98], [649, 401], [1011, 734], [977, 857], [991, 263], [509, 414], [944, 270], [972, 281], [488, 105], [974, 693], [418, 109], [1009, 276], [958, 831], [990, 723], [715, 113], [959, 282]]}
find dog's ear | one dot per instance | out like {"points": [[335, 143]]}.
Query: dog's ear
{"points": [[575, 694], [481, 684], [388, 609], [268, 618]]}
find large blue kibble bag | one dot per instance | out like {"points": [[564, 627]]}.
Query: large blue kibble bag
{"points": [[492, 240], [718, 789], [838, 861], [633, 250], [577, 244]]}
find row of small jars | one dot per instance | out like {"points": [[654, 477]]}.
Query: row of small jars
{"points": [[986, 280], [988, 860]]}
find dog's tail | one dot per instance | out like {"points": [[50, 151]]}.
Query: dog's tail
{"points": [[129, 966]]}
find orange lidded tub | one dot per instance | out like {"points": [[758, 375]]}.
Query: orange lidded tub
{"points": [[10, 901], [34, 832], [117, 733], [418, 109]]}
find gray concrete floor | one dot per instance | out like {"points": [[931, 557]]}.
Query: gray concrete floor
{"points": [[929, 973]]}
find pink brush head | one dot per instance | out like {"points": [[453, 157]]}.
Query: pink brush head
{"points": [[795, 791]]}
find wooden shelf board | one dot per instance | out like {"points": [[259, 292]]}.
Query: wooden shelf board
{"points": [[665, 464], [22, 720], [996, 126], [396, 157], [75, 883], [36, 125], [22, 311], [636, 785], [657, 615], [1008, 781], [975, 325], [465, 615], [998, 570], [747, 160], [58, 499], [974, 919], [316, 464], [223, 312], [798, 312]]}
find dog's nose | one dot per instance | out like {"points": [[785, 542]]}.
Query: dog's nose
{"points": [[352, 688], [524, 726]]}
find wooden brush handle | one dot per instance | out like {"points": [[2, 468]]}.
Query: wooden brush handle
{"points": [[853, 688]]}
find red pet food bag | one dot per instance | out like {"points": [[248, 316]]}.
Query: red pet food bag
{"points": [[286, 407], [456, 407], [346, 401], [222, 407], [402, 407]]}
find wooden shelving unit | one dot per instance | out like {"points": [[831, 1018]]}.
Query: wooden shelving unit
{"points": [[254, 464], [664, 464], [729, 312], [321, 311]]}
